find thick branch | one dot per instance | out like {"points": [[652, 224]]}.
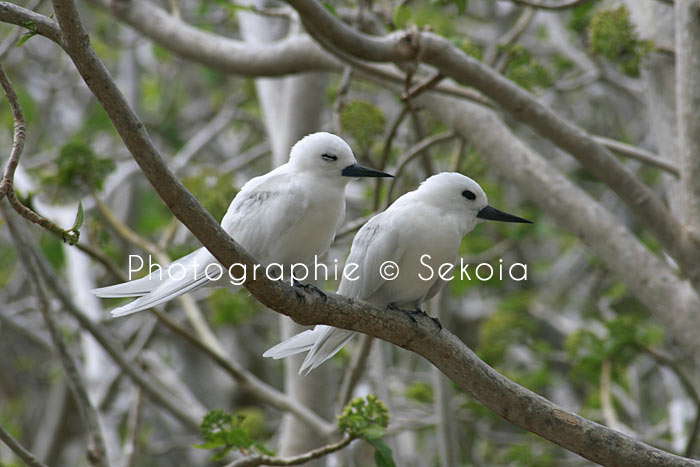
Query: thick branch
{"points": [[646, 276], [444, 350], [43, 25], [451, 61]]}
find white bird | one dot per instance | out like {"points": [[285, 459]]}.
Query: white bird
{"points": [[428, 221], [286, 216]]}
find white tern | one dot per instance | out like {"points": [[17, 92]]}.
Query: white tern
{"points": [[428, 221], [286, 217]]}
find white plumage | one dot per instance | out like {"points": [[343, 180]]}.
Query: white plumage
{"points": [[285, 216], [430, 220]]}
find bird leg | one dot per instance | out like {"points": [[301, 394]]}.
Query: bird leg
{"points": [[417, 311], [409, 313], [311, 287]]}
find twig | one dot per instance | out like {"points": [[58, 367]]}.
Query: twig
{"points": [[150, 387], [101, 257], [194, 314], [423, 86], [133, 427], [355, 369], [689, 387], [606, 403], [96, 450], [353, 225], [205, 134], [639, 154], [386, 152], [411, 154], [250, 382], [7, 184], [26, 456], [550, 5], [254, 461], [339, 103], [510, 36]]}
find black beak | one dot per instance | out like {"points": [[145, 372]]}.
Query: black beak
{"points": [[493, 214], [356, 170]]}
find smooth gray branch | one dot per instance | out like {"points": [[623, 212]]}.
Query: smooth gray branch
{"points": [[437, 51]]}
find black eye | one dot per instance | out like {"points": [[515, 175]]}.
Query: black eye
{"points": [[329, 157], [468, 194]]}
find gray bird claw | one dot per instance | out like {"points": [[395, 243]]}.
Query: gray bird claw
{"points": [[408, 313], [311, 287], [417, 311]]}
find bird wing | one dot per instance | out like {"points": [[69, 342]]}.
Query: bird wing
{"points": [[377, 242], [264, 209], [178, 280]]}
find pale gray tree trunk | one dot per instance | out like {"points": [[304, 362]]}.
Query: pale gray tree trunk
{"points": [[688, 104], [654, 21]]}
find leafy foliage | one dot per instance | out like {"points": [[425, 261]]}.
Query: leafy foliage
{"points": [[525, 70], [78, 167], [225, 432], [364, 121], [626, 336], [421, 391], [367, 419], [613, 36]]}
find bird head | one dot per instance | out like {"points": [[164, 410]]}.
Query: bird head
{"points": [[328, 155], [459, 195]]}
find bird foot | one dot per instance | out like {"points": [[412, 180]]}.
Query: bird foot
{"points": [[417, 311], [311, 287]]}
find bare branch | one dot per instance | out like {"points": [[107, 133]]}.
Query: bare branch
{"points": [[447, 352], [561, 5], [7, 183], [96, 450], [639, 154], [453, 62], [26, 456], [251, 383], [413, 152], [254, 461], [42, 25]]}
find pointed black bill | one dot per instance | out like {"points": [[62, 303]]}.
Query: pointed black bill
{"points": [[356, 170], [493, 214]]}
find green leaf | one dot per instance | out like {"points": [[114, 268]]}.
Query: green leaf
{"points": [[383, 457], [461, 6], [25, 37], [330, 8], [79, 218], [402, 14]]}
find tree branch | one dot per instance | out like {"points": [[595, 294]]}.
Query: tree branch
{"points": [[21, 452], [444, 350], [7, 183], [639, 154], [255, 461], [562, 5], [252, 384], [437, 51], [96, 450]]}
